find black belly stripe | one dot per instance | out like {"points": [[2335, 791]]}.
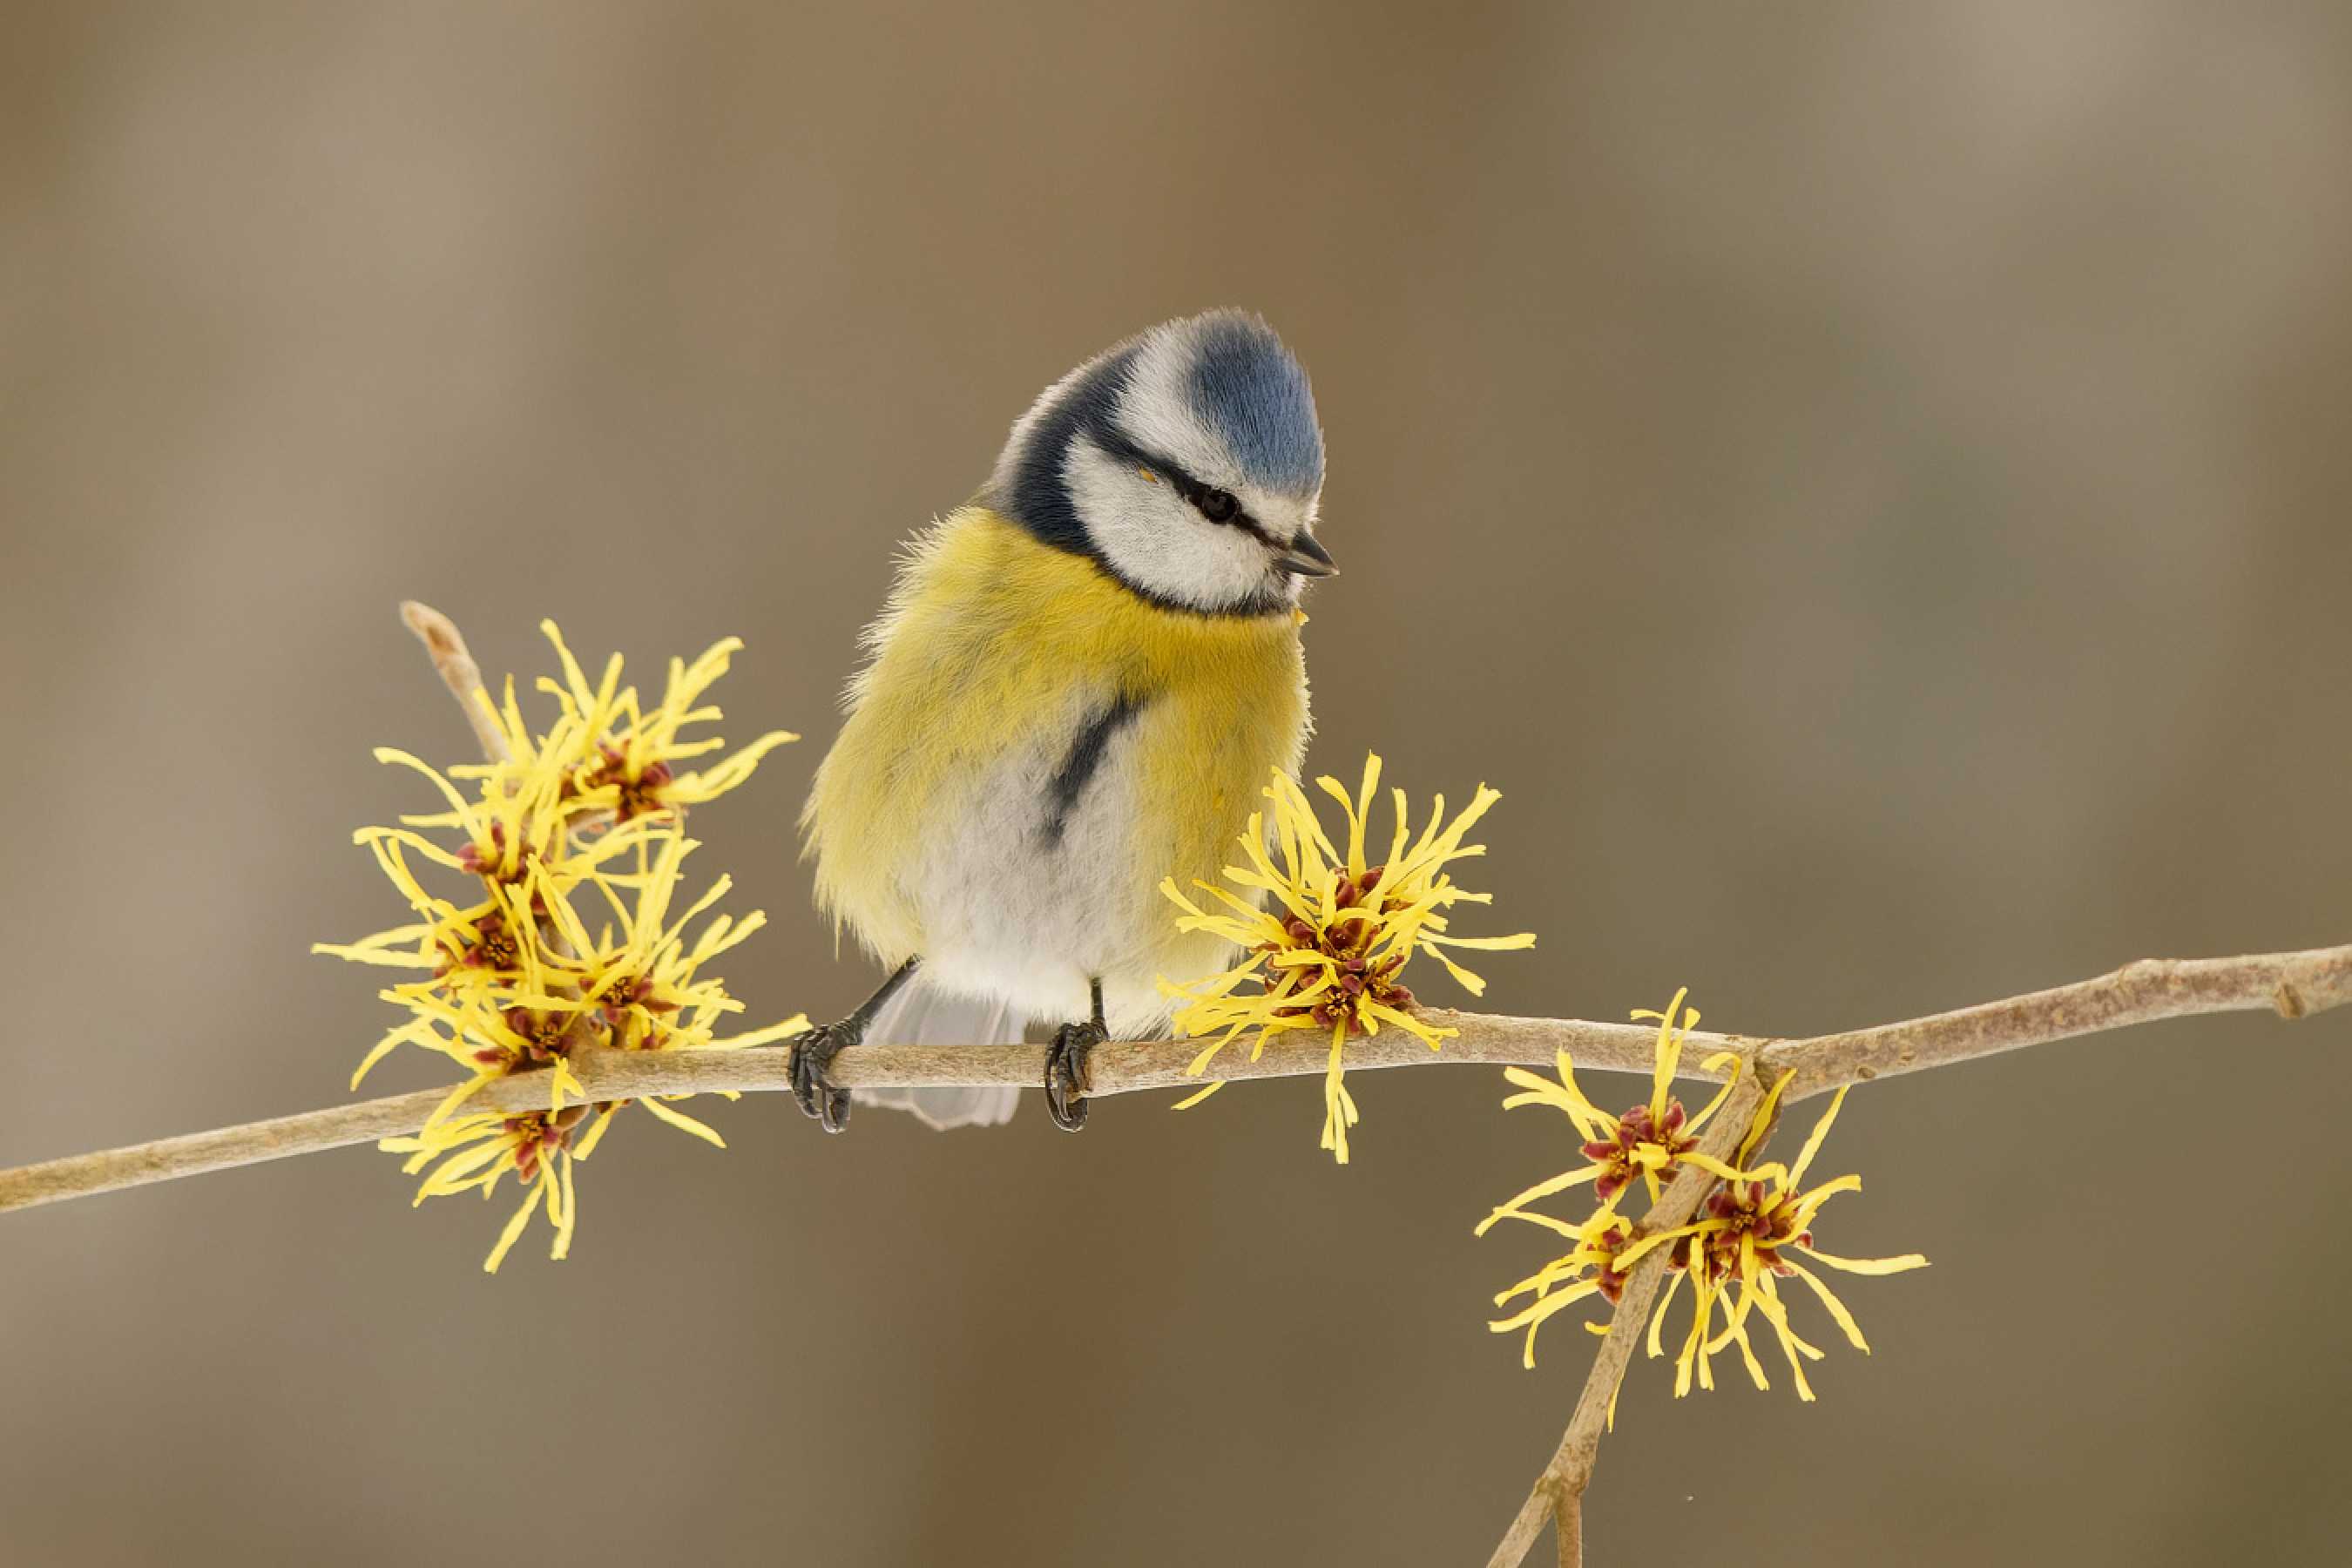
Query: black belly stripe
{"points": [[1085, 760]]}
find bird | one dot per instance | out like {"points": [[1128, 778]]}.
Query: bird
{"points": [[1078, 687]]}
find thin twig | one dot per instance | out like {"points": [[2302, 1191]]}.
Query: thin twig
{"points": [[459, 673], [2293, 984], [1567, 1524], [194, 1153], [2289, 983], [635, 1075]]}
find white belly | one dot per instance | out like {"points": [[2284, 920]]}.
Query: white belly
{"points": [[1013, 912]]}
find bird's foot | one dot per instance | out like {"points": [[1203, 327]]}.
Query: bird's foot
{"points": [[813, 1085], [1065, 1072]]}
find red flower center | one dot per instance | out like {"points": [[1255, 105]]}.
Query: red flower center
{"points": [[1347, 941]]}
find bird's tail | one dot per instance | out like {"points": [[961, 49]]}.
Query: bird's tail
{"points": [[921, 1015]]}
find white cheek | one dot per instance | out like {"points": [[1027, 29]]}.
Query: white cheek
{"points": [[1153, 538]]}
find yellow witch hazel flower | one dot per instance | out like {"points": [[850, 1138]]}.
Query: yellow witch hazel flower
{"points": [[1645, 1142], [1589, 1268], [632, 771], [643, 983], [589, 814], [1755, 1229], [475, 1152], [1330, 954]]}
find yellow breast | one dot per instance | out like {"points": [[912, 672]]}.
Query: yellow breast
{"points": [[992, 645]]}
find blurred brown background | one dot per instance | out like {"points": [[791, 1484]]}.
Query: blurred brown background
{"points": [[1868, 482]]}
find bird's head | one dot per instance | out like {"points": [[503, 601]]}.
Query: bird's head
{"points": [[1186, 462]]}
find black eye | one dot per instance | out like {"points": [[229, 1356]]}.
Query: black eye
{"points": [[1217, 506]]}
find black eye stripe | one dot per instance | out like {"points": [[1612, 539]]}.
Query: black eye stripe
{"points": [[1193, 491]]}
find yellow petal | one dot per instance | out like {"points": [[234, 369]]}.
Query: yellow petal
{"points": [[594, 1135], [1542, 1189], [1837, 1309], [1762, 1120], [564, 1227], [1813, 1140], [684, 1123], [507, 1236], [1658, 1318], [1909, 1261]]}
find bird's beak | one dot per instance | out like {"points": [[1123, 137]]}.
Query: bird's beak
{"points": [[1306, 558]]}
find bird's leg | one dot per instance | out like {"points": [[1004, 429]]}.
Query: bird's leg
{"points": [[1066, 1067], [814, 1050]]}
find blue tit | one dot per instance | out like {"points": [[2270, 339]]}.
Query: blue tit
{"points": [[1077, 688]]}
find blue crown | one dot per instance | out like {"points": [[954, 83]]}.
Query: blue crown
{"points": [[1251, 390]]}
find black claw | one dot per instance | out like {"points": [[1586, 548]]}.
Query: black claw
{"points": [[812, 1053], [1065, 1073]]}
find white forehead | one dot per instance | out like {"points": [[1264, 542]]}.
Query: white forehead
{"points": [[1157, 411]]}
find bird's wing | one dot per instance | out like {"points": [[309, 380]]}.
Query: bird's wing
{"points": [[923, 1015]]}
